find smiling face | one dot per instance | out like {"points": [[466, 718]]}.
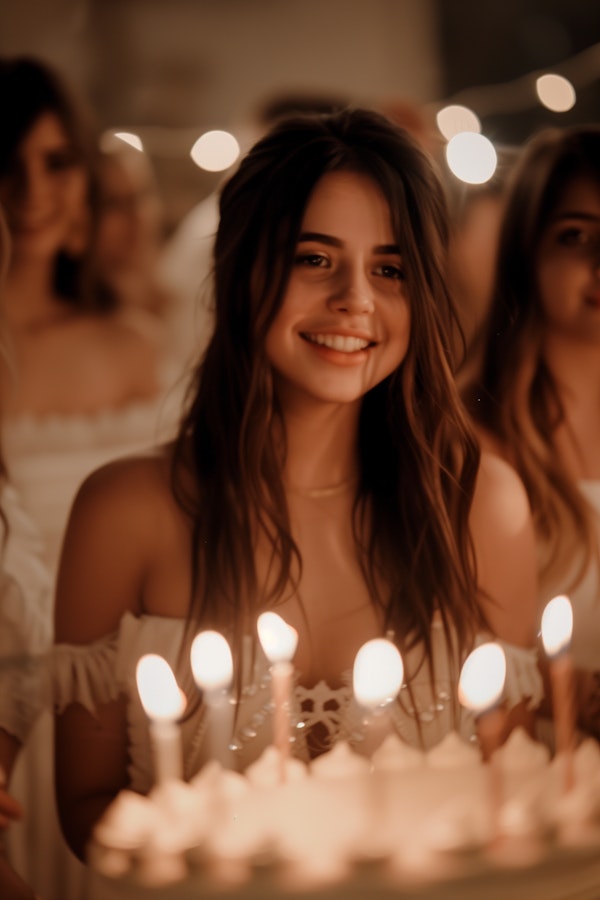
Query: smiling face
{"points": [[568, 262], [344, 323], [44, 191]]}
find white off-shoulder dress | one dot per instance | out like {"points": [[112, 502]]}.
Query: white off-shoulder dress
{"points": [[48, 458], [25, 638], [95, 674]]}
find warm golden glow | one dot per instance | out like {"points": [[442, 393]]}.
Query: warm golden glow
{"points": [[215, 151], [555, 92], [278, 639], [482, 678], [471, 157], [134, 140], [212, 664], [159, 692], [378, 673], [454, 119], [557, 625]]}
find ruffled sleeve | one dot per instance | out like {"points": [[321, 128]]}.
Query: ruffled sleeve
{"points": [[21, 667], [85, 673], [25, 620]]}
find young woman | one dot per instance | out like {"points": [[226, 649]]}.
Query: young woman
{"points": [[84, 378], [324, 469], [537, 401], [25, 636]]}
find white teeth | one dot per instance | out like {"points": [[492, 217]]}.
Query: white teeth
{"points": [[340, 342]]}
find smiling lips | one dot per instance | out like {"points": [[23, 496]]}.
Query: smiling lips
{"points": [[340, 342]]}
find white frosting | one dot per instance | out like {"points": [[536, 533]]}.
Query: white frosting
{"points": [[339, 762], [394, 755], [452, 752]]}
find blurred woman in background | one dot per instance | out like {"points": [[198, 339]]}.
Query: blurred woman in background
{"points": [[83, 380], [537, 402]]}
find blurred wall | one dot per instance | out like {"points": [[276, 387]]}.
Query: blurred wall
{"points": [[173, 68]]}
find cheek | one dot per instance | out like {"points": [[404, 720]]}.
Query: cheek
{"points": [[75, 192]]}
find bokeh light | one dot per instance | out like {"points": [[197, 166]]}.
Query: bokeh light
{"points": [[215, 151], [128, 137], [471, 157], [555, 92], [454, 119]]}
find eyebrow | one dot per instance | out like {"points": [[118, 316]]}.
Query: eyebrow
{"points": [[577, 214], [382, 249]]}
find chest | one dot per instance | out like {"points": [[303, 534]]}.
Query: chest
{"points": [[333, 610]]}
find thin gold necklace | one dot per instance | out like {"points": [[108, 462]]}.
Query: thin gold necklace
{"points": [[332, 490]]}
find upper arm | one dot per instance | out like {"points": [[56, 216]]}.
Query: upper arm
{"points": [[505, 549], [106, 551], [104, 561]]}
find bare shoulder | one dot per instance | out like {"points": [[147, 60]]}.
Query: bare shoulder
{"points": [[505, 549], [123, 516], [490, 443], [500, 491]]}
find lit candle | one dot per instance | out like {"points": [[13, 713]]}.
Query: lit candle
{"points": [[279, 641], [212, 666], [164, 703], [377, 677], [557, 628], [480, 689]]}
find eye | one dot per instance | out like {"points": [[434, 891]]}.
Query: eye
{"points": [[387, 270], [312, 260], [575, 236], [59, 160]]}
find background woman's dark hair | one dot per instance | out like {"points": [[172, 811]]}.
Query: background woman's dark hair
{"points": [[29, 88], [418, 459], [517, 398]]}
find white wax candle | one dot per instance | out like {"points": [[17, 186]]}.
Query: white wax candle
{"points": [[377, 677], [164, 703], [212, 666], [557, 629], [480, 689], [279, 641]]}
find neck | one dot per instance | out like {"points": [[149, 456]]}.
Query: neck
{"points": [[29, 294], [575, 364], [321, 449]]}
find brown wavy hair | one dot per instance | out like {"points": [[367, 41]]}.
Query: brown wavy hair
{"points": [[30, 88], [418, 458], [517, 398]]}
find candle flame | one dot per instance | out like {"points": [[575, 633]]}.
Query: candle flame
{"points": [[212, 663], [160, 694], [278, 639], [482, 678], [378, 672], [557, 625]]}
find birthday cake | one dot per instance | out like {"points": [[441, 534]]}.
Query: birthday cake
{"points": [[403, 823]]}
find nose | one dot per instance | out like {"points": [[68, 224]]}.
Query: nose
{"points": [[354, 294]]}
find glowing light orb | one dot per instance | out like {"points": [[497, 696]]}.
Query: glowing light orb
{"points": [[212, 664], [378, 672], [159, 692], [557, 625], [134, 140], [482, 677], [451, 120], [471, 157], [555, 92], [215, 151]]}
